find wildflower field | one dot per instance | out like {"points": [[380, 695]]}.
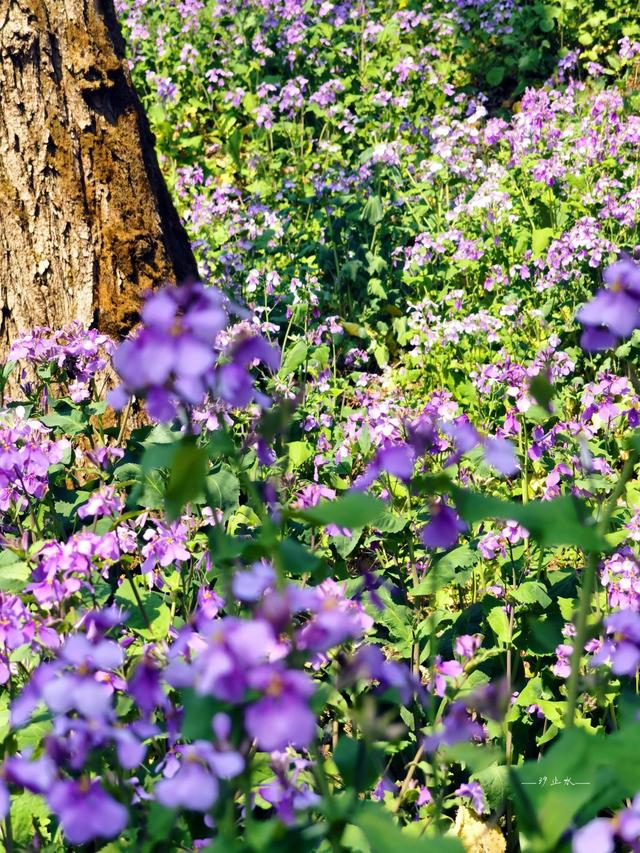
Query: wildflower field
{"points": [[339, 549]]}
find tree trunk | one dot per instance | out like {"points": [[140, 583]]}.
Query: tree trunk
{"points": [[86, 222]]}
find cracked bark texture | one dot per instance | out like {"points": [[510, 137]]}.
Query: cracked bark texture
{"points": [[86, 221]]}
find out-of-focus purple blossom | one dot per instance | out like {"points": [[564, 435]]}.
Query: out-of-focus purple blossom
{"points": [[444, 528], [191, 786], [370, 663], [598, 835], [86, 811], [500, 454], [473, 791], [456, 727], [250, 584], [397, 460], [282, 717], [622, 644], [614, 312], [176, 358], [467, 645]]}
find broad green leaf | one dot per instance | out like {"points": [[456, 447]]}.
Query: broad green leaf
{"points": [[531, 592], [296, 559], [30, 816], [198, 712], [562, 521], [72, 424], [293, 357], [495, 75], [186, 477], [223, 489], [355, 509], [385, 836], [360, 765], [577, 768], [299, 452], [495, 784], [499, 624], [541, 390], [373, 211], [445, 570], [540, 239]]}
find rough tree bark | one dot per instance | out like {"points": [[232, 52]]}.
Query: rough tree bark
{"points": [[86, 222]]}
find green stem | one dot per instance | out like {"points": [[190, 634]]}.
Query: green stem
{"points": [[588, 585]]}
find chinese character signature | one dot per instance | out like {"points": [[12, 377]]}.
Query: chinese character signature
{"points": [[543, 781]]}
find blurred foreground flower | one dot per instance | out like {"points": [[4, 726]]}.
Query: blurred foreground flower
{"points": [[175, 359], [614, 312]]}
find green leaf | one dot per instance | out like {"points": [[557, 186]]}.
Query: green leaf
{"points": [[299, 452], [223, 489], [540, 239], [293, 358], [385, 836], [578, 767], [474, 757], [198, 712], [541, 390], [562, 521], [495, 75], [360, 765], [186, 477], [444, 571], [154, 622], [72, 424], [373, 210], [531, 592], [355, 509], [30, 816], [495, 784], [499, 624], [296, 559]]}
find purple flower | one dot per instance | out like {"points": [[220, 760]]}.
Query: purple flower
{"points": [[175, 358], [622, 646], [165, 545], [456, 727], [500, 454], [369, 662], [444, 528], [629, 822], [86, 811], [424, 797], [249, 585], [192, 787], [282, 717], [473, 790], [396, 459], [596, 837], [614, 312], [335, 619], [4, 800], [37, 776], [284, 793], [103, 502], [467, 645]]}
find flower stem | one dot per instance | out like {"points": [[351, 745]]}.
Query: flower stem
{"points": [[588, 584]]}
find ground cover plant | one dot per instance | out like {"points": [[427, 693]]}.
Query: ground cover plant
{"points": [[347, 558]]}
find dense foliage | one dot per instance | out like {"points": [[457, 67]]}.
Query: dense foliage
{"points": [[348, 561]]}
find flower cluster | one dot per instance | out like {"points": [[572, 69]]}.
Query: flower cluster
{"points": [[174, 358]]}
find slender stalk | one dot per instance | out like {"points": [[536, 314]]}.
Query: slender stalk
{"points": [[588, 585]]}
